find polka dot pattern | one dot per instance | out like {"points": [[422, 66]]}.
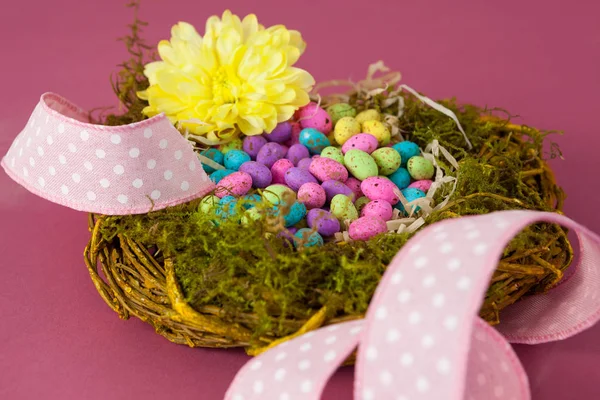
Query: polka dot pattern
{"points": [[109, 170]]}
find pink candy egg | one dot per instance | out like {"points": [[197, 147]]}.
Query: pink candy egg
{"points": [[378, 188], [236, 184], [354, 184], [279, 169], [423, 184], [365, 228], [377, 208], [325, 169], [313, 116], [295, 139], [362, 141], [312, 195]]}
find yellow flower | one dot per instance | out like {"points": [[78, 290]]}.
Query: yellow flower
{"points": [[238, 77]]}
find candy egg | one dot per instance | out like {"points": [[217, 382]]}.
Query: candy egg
{"points": [[342, 208], [410, 194], [253, 144], [387, 159], [293, 214], [368, 115], [362, 141], [333, 188], [304, 163], [296, 129], [314, 140], [406, 150], [365, 228], [306, 237], [235, 158], [275, 194], [270, 153], [313, 116], [236, 184], [235, 144], [220, 174], [323, 221], [296, 177], [325, 169], [377, 129], [345, 128], [208, 203], [339, 111], [214, 155], [377, 208], [312, 195], [360, 164], [261, 175], [379, 188], [250, 215], [423, 185], [334, 153], [250, 200], [361, 203], [354, 185], [400, 177], [282, 133], [226, 207], [297, 152], [279, 169], [420, 168]]}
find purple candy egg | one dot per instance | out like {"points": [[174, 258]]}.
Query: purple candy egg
{"points": [[333, 187], [288, 235], [279, 169], [281, 133], [269, 153], [304, 163], [252, 144], [296, 177], [261, 175], [296, 153], [325, 223]]}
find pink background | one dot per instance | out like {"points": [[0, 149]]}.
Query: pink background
{"points": [[539, 59]]}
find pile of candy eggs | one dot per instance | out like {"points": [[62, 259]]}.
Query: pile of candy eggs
{"points": [[324, 171]]}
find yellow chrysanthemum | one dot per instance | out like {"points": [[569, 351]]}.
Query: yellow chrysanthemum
{"points": [[238, 77]]}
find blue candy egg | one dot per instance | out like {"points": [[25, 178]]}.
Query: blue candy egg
{"points": [[250, 200], [314, 140], [214, 155], [295, 214], [410, 194], [400, 177], [220, 174], [305, 237], [407, 150], [235, 158]]}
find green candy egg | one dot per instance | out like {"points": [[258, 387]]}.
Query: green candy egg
{"points": [[252, 214], [208, 203], [387, 159], [274, 194], [235, 144], [420, 168], [342, 208], [339, 111], [360, 164], [361, 202], [334, 153]]}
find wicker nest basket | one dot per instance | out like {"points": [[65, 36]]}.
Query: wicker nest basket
{"points": [[136, 280]]}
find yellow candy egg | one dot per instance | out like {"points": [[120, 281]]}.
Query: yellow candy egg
{"points": [[377, 129], [368, 115], [345, 128]]}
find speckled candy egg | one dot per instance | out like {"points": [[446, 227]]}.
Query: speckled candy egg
{"points": [[333, 188], [235, 158], [368, 115], [410, 194], [312, 195], [360, 164], [400, 177], [253, 144], [282, 133], [313, 116], [235, 144], [296, 177], [379, 188], [250, 215], [339, 111], [345, 128], [420, 168], [406, 150], [274, 194], [214, 155], [362, 141], [297, 152], [334, 153], [379, 130], [226, 207], [361, 203], [220, 174], [279, 169], [269, 153], [365, 228], [387, 159], [294, 214], [261, 175], [296, 129], [342, 208], [305, 163], [423, 185], [208, 203], [236, 184], [314, 140], [354, 185], [325, 169], [377, 208], [323, 221], [305, 237]]}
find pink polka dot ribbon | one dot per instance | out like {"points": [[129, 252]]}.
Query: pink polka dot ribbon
{"points": [[421, 338], [116, 170]]}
